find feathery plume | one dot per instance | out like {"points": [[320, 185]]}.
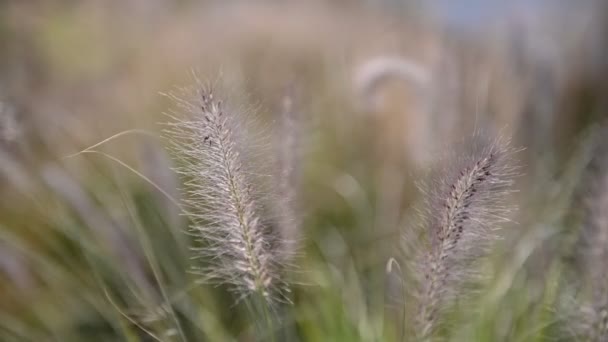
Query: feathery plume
{"points": [[407, 121], [464, 211], [221, 199], [374, 71]]}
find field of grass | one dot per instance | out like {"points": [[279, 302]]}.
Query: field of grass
{"points": [[323, 171]]}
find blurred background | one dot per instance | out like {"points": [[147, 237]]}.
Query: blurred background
{"points": [[92, 246]]}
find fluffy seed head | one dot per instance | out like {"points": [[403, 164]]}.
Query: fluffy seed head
{"points": [[466, 204], [220, 195]]}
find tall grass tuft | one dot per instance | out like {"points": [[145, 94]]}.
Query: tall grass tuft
{"points": [[591, 321], [221, 198], [466, 203]]}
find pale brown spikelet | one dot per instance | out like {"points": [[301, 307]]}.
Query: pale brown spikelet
{"points": [[289, 173]]}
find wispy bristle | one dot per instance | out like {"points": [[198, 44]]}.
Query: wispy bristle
{"points": [[221, 198], [464, 212]]}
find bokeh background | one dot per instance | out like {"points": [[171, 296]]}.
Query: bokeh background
{"points": [[91, 243]]}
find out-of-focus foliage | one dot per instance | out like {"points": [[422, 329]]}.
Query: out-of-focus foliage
{"points": [[93, 246]]}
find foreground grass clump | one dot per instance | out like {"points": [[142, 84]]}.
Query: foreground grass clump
{"points": [[215, 257], [465, 208]]}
